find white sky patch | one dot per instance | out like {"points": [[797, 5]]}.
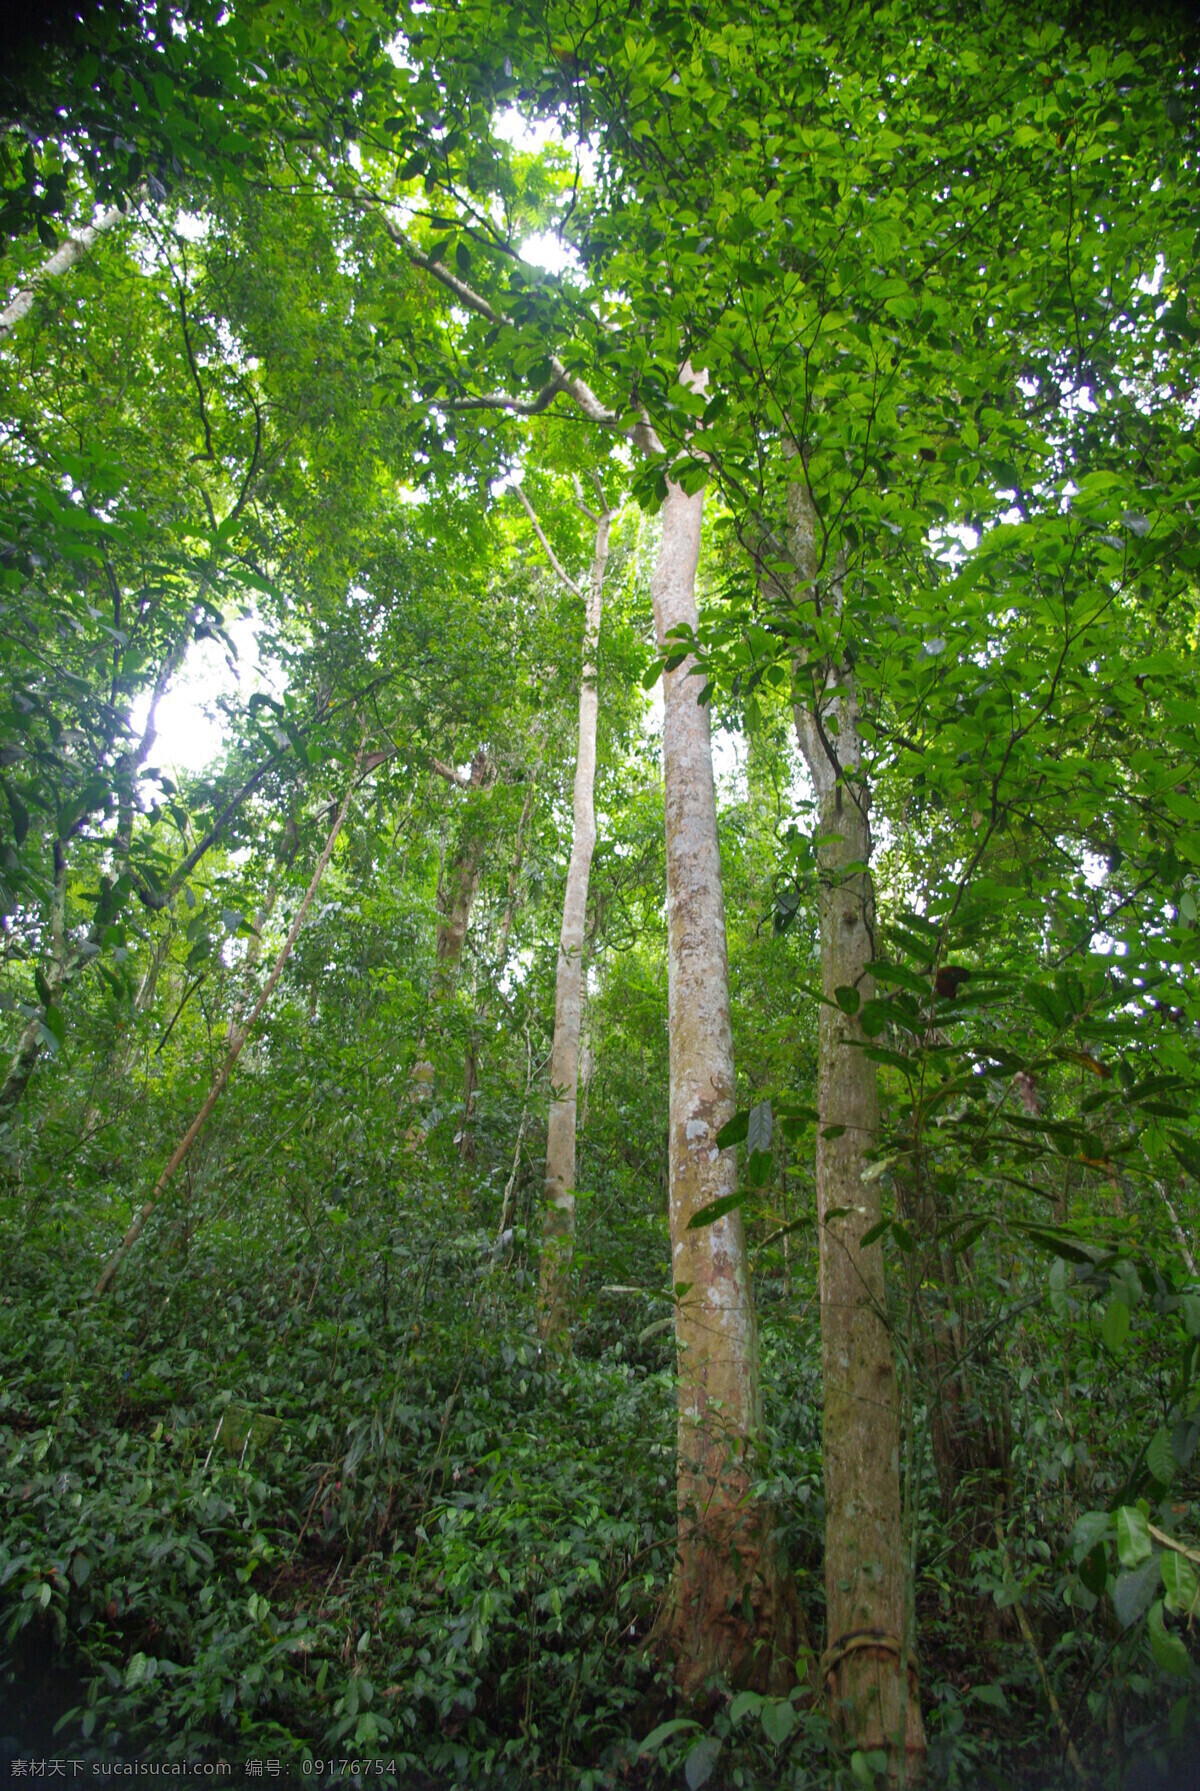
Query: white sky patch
{"points": [[192, 732], [530, 136], [544, 250]]}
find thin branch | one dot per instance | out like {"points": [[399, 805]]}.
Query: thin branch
{"points": [[553, 558], [642, 432]]}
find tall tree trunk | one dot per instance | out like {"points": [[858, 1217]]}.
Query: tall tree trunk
{"points": [[558, 1205], [284, 855], [29, 1046], [732, 1607], [466, 1136], [868, 1671]]}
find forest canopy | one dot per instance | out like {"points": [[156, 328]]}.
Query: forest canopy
{"points": [[599, 1170]]}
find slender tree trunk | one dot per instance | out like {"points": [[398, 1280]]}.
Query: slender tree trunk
{"points": [[29, 1046], [111, 1268], [558, 1206], [732, 1608], [466, 1136], [868, 1672], [283, 863], [72, 249]]}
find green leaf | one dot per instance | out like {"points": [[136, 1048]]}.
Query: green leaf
{"points": [[664, 1732], [759, 1127], [1133, 1591], [1091, 1528], [1133, 1536], [1168, 1650], [1159, 1457], [848, 999], [873, 1018], [699, 1765], [1179, 1578], [778, 1719], [1115, 1329], [734, 1130], [898, 977], [990, 1694], [745, 1701], [717, 1209]]}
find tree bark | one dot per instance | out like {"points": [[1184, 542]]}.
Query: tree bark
{"points": [[732, 1608], [466, 1135], [72, 249], [29, 1046], [868, 1671], [558, 1205]]}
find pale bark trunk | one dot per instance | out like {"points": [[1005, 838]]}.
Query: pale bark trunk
{"points": [[558, 1208], [868, 1671], [29, 1047], [732, 1608], [283, 864], [72, 249], [466, 1136], [112, 1266]]}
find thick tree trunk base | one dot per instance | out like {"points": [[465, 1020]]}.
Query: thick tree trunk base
{"points": [[733, 1612], [866, 1702]]}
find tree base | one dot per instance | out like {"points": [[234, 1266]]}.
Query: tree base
{"points": [[732, 1612], [870, 1708]]}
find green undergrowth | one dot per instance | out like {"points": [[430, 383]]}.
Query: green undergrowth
{"points": [[284, 1499], [272, 1507]]}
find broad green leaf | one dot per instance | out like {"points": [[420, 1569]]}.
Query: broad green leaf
{"points": [[734, 1130], [1159, 1459], [1169, 1652], [778, 1719], [1091, 1528], [745, 1701], [1133, 1536], [1115, 1329], [717, 1209], [701, 1761], [677, 1726], [1179, 1578], [1133, 1590], [759, 1128]]}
